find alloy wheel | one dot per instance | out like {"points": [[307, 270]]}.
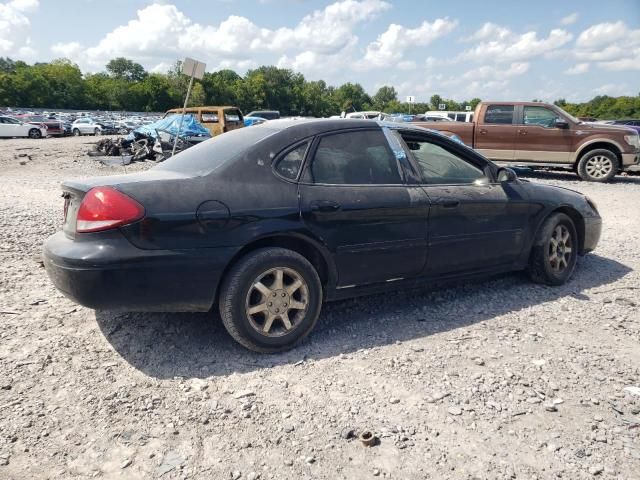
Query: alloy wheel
{"points": [[277, 301], [560, 249], [599, 166]]}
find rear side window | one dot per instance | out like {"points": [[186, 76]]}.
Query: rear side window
{"points": [[355, 158], [499, 114], [210, 117], [289, 165]]}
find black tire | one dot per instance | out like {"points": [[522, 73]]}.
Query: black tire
{"points": [[76, 132], [35, 133], [237, 290], [598, 165], [546, 268]]}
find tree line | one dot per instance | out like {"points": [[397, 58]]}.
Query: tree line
{"points": [[126, 85]]}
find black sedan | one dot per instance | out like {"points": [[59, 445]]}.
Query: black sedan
{"points": [[266, 223]]}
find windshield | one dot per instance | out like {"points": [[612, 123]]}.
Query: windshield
{"points": [[212, 154], [568, 115]]}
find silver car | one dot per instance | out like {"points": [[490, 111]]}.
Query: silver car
{"points": [[85, 126]]}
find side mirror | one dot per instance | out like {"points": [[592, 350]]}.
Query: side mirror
{"points": [[507, 175], [561, 124]]}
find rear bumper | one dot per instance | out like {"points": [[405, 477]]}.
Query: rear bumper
{"points": [[109, 273], [592, 232]]}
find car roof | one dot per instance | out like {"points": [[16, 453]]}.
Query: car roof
{"points": [[314, 126]]}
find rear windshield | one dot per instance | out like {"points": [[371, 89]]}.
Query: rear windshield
{"points": [[213, 153]]}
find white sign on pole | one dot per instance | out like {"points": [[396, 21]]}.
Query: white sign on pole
{"points": [[411, 99], [442, 106], [193, 68], [468, 108]]}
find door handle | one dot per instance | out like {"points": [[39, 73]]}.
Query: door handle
{"points": [[325, 206], [483, 131], [447, 202]]}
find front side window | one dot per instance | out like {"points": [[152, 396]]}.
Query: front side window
{"points": [[499, 114], [540, 116], [289, 165], [438, 166], [355, 158]]}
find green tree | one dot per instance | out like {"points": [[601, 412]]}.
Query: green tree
{"points": [[351, 97], [435, 102], [383, 97], [126, 69]]}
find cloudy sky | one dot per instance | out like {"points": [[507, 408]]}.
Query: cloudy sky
{"points": [[458, 49]]}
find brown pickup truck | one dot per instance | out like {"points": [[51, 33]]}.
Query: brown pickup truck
{"points": [[544, 135]]}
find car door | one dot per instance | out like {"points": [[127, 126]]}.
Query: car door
{"points": [[353, 198], [5, 129], [13, 128], [232, 119], [82, 125], [210, 119], [475, 222], [539, 140], [495, 136]]}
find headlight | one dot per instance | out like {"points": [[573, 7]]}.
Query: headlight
{"points": [[632, 140]]}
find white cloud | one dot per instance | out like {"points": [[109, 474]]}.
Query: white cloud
{"points": [[161, 33], [389, 48], [613, 89], [570, 19], [15, 27], [67, 50], [487, 71], [602, 34], [578, 69], [506, 46], [613, 45], [489, 31]]}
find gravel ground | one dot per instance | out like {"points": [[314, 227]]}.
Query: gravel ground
{"points": [[498, 379]]}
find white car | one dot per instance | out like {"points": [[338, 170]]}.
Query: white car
{"points": [[11, 127], [85, 126]]}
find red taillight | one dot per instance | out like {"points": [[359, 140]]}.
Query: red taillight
{"points": [[103, 208]]}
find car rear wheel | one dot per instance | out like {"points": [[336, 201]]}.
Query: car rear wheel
{"points": [[598, 165], [555, 251], [76, 132], [35, 133], [271, 300]]}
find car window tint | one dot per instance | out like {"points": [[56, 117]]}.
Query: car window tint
{"points": [[439, 166], [500, 114], [540, 116], [289, 165], [355, 158], [211, 154]]}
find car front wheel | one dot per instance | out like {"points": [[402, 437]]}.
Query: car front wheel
{"points": [[555, 251], [598, 166], [271, 300]]}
